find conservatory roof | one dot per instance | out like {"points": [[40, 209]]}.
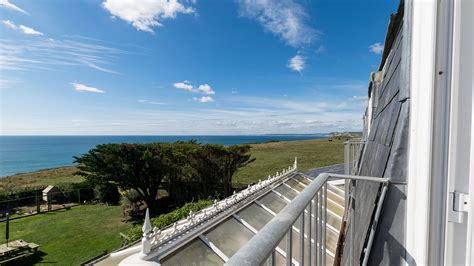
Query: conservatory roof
{"points": [[213, 235]]}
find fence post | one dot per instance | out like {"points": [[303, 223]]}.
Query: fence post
{"points": [[49, 202], [79, 195], [38, 205]]}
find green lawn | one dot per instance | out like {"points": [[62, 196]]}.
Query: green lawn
{"points": [[272, 157], [70, 237]]}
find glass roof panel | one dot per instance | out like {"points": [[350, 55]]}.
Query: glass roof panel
{"points": [[193, 253], [229, 236], [286, 191], [334, 221], [273, 202], [256, 216], [302, 179], [295, 184]]}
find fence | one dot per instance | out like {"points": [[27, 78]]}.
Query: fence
{"points": [[352, 151], [21, 205]]}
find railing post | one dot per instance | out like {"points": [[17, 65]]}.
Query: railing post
{"points": [[272, 258], [316, 247], [346, 158], [289, 247], [320, 228], [324, 210], [351, 224], [310, 235], [302, 239]]}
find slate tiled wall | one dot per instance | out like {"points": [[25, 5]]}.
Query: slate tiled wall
{"points": [[385, 155]]}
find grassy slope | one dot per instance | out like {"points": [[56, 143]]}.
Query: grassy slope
{"points": [[82, 233], [272, 157], [40, 178]]}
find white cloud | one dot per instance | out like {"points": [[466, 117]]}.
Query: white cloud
{"points": [[284, 18], [376, 48], [22, 28], [48, 54], [144, 15], [362, 97], [30, 31], [84, 88], [150, 102], [204, 99], [6, 4], [203, 88], [296, 63], [183, 85]]}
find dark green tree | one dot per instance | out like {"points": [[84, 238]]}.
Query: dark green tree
{"points": [[141, 167]]}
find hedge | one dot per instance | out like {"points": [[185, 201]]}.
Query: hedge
{"points": [[165, 220]]}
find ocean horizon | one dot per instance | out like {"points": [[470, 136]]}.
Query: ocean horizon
{"points": [[22, 154]]}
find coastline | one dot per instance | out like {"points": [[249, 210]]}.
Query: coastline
{"points": [[270, 156], [26, 154]]}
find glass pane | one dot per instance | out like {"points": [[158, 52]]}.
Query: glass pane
{"points": [[334, 207], [297, 224], [229, 236], [331, 240], [334, 221], [302, 179], [279, 260], [295, 246], [273, 202], [193, 253], [286, 191], [256, 216], [335, 197], [295, 184]]}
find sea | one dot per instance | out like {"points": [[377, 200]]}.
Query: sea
{"points": [[22, 154]]}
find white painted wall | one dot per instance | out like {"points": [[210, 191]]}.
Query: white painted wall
{"points": [[423, 28], [459, 236]]}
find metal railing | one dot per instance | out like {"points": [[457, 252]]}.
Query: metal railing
{"points": [[352, 152], [261, 248]]}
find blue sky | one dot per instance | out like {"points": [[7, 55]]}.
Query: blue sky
{"points": [[187, 67]]}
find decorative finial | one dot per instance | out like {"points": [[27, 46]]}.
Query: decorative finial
{"points": [[146, 242], [147, 224]]}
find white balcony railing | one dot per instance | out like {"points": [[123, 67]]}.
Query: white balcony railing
{"points": [[260, 250]]}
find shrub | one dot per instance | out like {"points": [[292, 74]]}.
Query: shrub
{"points": [[70, 191], [107, 193], [165, 220]]}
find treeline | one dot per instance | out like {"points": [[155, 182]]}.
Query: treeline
{"points": [[187, 171]]}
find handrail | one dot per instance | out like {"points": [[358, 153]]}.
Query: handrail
{"points": [[263, 244]]}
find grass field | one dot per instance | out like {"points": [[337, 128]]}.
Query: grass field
{"points": [[273, 156], [40, 178], [70, 237]]}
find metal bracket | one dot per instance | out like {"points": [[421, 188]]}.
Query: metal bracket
{"points": [[459, 203]]}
